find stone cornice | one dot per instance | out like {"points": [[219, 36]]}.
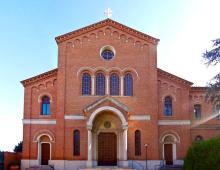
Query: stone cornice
{"points": [[199, 89], [106, 22], [173, 77], [39, 77]]}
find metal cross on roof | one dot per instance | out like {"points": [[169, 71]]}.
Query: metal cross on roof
{"points": [[108, 13]]}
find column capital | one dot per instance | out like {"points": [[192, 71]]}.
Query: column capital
{"points": [[89, 127], [125, 126]]}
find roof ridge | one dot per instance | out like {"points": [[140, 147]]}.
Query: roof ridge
{"points": [[103, 23], [174, 76], [39, 77]]}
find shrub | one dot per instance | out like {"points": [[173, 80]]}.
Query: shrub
{"points": [[203, 155]]}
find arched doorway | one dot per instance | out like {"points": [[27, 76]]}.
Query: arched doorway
{"points": [[169, 148], [107, 138], [44, 149]]}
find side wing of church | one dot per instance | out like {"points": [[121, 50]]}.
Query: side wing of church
{"points": [[107, 104]]}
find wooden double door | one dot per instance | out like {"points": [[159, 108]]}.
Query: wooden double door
{"points": [[107, 149]]}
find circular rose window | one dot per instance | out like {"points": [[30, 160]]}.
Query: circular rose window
{"points": [[107, 52]]}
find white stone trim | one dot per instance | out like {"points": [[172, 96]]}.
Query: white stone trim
{"points": [[139, 117], [74, 117], [114, 110], [174, 122], [39, 121]]}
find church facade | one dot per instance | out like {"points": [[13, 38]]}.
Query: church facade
{"points": [[107, 103]]}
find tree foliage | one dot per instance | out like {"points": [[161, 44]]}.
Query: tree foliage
{"points": [[18, 147], [212, 57], [203, 155]]}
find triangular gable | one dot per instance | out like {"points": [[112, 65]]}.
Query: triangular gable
{"points": [[106, 99], [107, 22]]}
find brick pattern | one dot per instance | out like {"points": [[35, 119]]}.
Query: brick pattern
{"points": [[80, 53]]}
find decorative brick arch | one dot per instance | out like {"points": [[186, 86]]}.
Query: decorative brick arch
{"points": [[44, 94], [41, 133], [108, 108]]}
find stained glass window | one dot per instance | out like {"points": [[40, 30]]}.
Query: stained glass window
{"points": [[107, 54], [197, 111], [86, 84], [128, 85], [76, 142], [114, 84], [137, 142], [100, 84], [45, 105], [168, 106]]}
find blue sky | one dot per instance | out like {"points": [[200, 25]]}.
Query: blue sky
{"points": [[28, 28]]}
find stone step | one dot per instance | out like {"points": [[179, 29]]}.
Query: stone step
{"points": [[41, 167], [107, 168]]}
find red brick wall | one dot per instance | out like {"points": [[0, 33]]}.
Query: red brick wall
{"points": [[11, 157]]}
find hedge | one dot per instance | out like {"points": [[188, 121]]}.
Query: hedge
{"points": [[203, 155]]}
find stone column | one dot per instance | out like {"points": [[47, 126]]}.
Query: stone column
{"points": [[89, 161], [122, 85], [124, 162], [93, 85], [107, 85]]}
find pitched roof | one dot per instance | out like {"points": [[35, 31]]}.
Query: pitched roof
{"points": [[42, 76], [107, 22], [173, 77]]}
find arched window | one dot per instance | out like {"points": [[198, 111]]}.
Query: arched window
{"points": [[45, 105], [217, 110], [100, 84], [76, 142], [86, 84], [114, 84], [197, 111], [168, 106], [128, 85], [137, 142], [198, 138]]}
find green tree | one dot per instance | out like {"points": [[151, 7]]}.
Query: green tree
{"points": [[203, 155], [18, 147], [212, 57]]}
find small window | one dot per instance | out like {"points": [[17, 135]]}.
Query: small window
{"points": [[217, 111], [45, 105], [197, 111], [137, 142], [128, 85], [86, 84], [107, 54], [198, 138], [76, 142], [100, 84], [114, 84], [168, 106]]}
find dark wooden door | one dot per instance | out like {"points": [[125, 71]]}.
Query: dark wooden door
{"points": [[107, 149], [168, 154], [45, 153]]}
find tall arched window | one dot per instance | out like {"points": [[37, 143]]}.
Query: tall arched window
{"points": [[76, 142], [137, 142], [45, 105], [217, 110], [86, 84], [128, 85], [168, 106], [100, 84], [197, 111], [114, 84]]}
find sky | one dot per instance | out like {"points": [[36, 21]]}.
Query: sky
{"points": [[27, 46]]}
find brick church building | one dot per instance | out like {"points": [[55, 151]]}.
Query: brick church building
{"points": [[107, 103]]}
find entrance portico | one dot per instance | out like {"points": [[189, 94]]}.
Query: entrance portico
{"points": [[104, 124]]}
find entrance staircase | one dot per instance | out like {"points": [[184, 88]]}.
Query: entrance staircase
{"points": [[172, 167], [107, 168], [41, 167]]}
